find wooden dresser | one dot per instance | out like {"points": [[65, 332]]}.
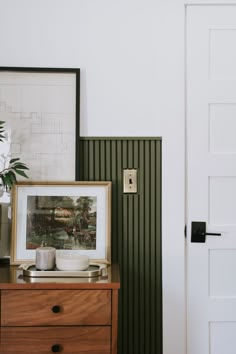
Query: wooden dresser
{"points": [[58, 315]]}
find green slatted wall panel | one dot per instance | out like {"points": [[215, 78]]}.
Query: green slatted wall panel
{"points": [[136, 234]]}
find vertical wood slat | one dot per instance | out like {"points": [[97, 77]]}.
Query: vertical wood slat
{"points": [[136, 234], [141, 255]]}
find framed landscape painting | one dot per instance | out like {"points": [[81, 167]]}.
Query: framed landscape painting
{"points": [[69, 216]]}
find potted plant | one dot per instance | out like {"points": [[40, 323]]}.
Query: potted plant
{"points": [[11, 168]]}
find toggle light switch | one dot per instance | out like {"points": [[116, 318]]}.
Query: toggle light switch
{"points": [[130, 181]]}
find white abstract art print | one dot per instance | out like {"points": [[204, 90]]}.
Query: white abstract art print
{"points": [[41, 114]]}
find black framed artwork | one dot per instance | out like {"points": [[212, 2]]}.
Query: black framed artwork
{"points": [[41, 111]]}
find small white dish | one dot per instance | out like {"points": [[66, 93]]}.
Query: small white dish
{"points": [[71, 261]]}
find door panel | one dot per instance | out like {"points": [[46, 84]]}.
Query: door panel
{"points": [[211, 178]]}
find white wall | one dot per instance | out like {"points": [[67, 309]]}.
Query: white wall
{"points": [[131, 55]]}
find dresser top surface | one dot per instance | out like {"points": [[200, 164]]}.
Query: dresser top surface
{"points": [[11, 277]]}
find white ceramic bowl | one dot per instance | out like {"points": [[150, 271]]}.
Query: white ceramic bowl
{"points": [[71, 261]]}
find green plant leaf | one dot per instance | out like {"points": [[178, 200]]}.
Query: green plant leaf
{"points": [[21, 173], [12, 176], [19, 163], [14, 160], [19, 166], [7, 181], [3, 180]]}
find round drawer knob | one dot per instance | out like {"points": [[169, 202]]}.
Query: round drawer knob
{"points": [[56, 348], [56, 309]]}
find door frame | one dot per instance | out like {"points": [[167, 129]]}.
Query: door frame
{"points": [[187, 4]]}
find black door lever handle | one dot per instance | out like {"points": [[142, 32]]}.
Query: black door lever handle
{"points": [[210, 234], [198, 232]]}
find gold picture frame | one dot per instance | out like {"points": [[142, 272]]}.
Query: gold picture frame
{"points": [[70, 216]]}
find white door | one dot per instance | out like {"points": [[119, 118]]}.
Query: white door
{"points": [[211, 178]]}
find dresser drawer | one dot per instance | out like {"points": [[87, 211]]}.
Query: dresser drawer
{"points": [[46, 340], [55, 307]]}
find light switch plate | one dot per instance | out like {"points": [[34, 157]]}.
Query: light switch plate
{"points": [[130, 180]]}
